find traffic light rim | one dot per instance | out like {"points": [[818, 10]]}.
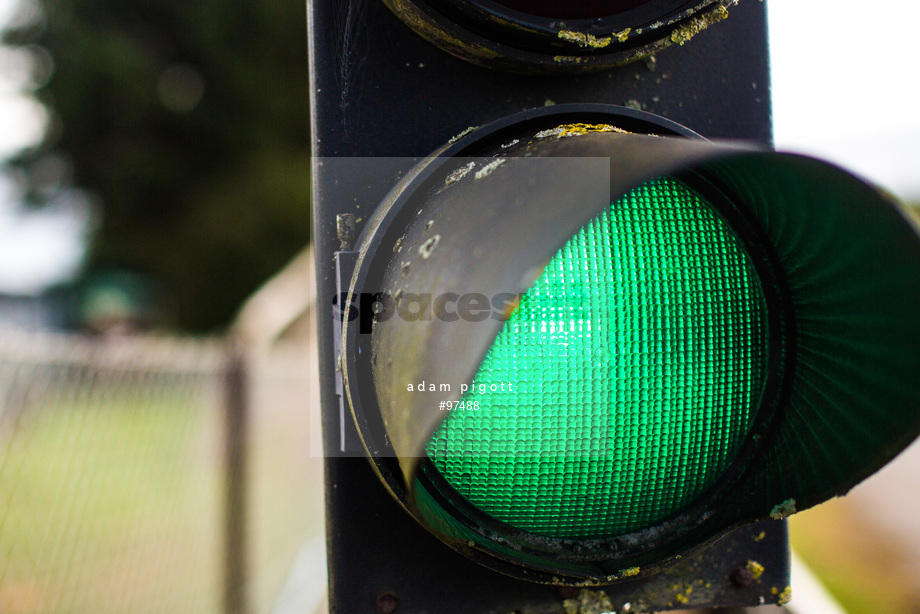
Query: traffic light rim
{"points": [[594, 560], [505, 39]]}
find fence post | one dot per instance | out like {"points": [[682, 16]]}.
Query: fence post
{"points": [[262, 319], [236, 391]]}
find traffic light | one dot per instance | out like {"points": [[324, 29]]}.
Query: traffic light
{"points": [[546, 37], [581, 345]]}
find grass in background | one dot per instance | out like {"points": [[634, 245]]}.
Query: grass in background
{"points": [[866, 572], [110, 503]]}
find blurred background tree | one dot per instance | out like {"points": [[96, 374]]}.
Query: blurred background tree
{"points": [[187, 122]]}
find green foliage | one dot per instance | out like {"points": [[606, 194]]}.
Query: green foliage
{"points": [[188, 121]]}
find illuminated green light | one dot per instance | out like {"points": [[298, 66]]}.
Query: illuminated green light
{"points": [[632, 369]]}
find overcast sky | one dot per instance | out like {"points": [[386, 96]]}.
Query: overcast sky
{"points": [[845, 88]]}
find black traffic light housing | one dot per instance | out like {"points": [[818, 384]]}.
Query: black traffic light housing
{"points": [[382, 97], [544, 37]]}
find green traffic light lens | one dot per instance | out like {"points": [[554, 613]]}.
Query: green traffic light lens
{"points": [[626, 381]]}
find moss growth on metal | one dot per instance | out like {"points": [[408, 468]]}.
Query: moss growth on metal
{"points": [[603, 52], [785, 596], [783, 510], [683, 594], [782, 597], [583, 39], [588, 602], [696, 25], [465, 132], [486, 170], [566, 130], [755, 568], [426, 27], [459, 174], [632, 103], [569, 59]]}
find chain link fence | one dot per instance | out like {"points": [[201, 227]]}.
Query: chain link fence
{"points": [[124, 488]]}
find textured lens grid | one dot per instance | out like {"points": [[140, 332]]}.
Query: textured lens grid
{"points": [[636, 363]]}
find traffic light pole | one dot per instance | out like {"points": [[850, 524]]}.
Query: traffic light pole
{"points": [[380, 92]]}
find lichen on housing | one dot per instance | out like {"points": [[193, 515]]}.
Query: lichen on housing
{"points": [[566, 130], [696, 25], [588, 602], [755, 568], [459, 174], [785, 596], [683, 593], [782, 597], [569, 59], [465, 132], [487, 170], [783, 510], [583, 39]]}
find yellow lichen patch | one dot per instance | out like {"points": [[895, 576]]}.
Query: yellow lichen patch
{"points": [[785, 597], [755, 568], [423, 25], [631, 571], [576, 130], [622, 35], [584, 40], [588, 602], [568, 59], [573, 129], [697, 25], [683, 596], [760, 536]]}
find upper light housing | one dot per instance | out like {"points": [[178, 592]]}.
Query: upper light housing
{"points": [[557, 37]]}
